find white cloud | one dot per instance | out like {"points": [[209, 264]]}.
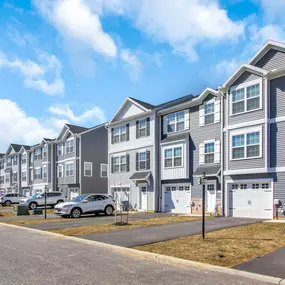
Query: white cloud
{"points": [[35, 73], [132, 62], [273, 9], [183, 24], [92, 115], [228, 67], [77, 23]]}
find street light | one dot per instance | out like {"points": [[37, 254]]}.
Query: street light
{"points": [[202, 181], [45, 201]]}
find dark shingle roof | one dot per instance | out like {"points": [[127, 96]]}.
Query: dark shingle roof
{"points": [[174, 138], [48, 140], [144, 104], [177, 101], [76, 129], [212, 170], [16, 147], [140, 175], [26, 147], [2, 155]]}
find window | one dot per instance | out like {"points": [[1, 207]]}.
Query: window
{"points": [[2, 179], [173, 157], [2, 164], [15, 177], [187, 188], [175, 122], [243, 186], [142, 128], [15, 160], [69, 169], [120, 163], [60, 149], [69, 146], [60, 171], [246, 99], [210, 187], [44, 151], [31, 172], [209, 152], [104, 170], [45, 171], [246, 145], [9, 161], [24, 176], [31, 157], [120, 134], [255, 186], [24, 158], [38, 173], [88, 169], [7, 178], [181, 188], [209, 113], [265, 186], [142, 160], [234, 186], [167, 189], [38, 154], [173, 188]]}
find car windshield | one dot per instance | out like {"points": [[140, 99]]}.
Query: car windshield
{"points": [[79, 198]]}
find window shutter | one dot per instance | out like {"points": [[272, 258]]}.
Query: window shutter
{"points": [[148, 126], [127, 162], [127, 132], [112, 164], [201, 154], [147, 159], [217, 152], [137, 161], [112, 135], [201, 115], [164, 124], [186, 119], [137, 129], [217, 110]]}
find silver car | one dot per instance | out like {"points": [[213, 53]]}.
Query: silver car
{"points": [[10, 198], [86, 204], [53, 198]]}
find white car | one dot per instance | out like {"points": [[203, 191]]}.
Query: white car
{"points": [[53, 198], [10, 198], [86, 204]]}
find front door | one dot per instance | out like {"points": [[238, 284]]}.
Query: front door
{"points": [[211, 197], [143, 197]]}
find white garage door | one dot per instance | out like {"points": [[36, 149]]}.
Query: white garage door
{"points": [[251, 200], [177, 199]]}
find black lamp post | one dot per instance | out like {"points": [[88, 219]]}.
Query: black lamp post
{"points": [[45, 201], [203, 203]]}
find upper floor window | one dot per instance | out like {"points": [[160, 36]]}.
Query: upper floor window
{"points": [[7, 178], [120, 163], [15, 160], [209, 152], [24, 158], [69, 169], [31, 176], [104, 170], [246, 99], [24, 176], [175, 122], [44, 151], [2, 179], [38, 173], [88, 169], [44, 171], [60, 149], [143, 160], [9, 161], [15, 177], [209, 113], [120, 134], [246, 145], [173, 157], [69, 146], [38, 154], [2, 164], [60, 170]]}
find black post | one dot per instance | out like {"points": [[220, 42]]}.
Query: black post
{"points": [[45, 203], [203, 207]]}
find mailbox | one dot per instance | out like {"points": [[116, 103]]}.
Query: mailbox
{"points": [[277, 202]]}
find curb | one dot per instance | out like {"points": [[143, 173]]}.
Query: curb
{"points": [[160, 258]]}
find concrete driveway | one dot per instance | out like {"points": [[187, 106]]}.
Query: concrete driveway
{"points": [[29, 258], [142, 236]]}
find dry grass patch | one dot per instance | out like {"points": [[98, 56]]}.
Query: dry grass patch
{"points": [[237, 245], [86, 230]]}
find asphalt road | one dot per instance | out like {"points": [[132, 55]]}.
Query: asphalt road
{"points": [[142, 236], [36, 258]]}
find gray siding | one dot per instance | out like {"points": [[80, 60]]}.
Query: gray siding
{"points": [[94, 148], [245, 77], [273, 59], [277, 97], [196, 190], [277, 148], [248, 116]]}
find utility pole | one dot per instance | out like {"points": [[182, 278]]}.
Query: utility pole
{"points": [[45, 201]]}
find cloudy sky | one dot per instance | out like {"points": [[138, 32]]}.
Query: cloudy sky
{"points": [[76, 60]]}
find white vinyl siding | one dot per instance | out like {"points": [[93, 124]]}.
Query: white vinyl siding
{"points": [[87, 169]]}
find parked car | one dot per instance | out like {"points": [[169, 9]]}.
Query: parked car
{"points": [[10, 198], [53, 198], [86, 204]]}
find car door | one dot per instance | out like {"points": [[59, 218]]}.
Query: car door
{"points": [[14, 198], [89, 205], [100, 202]]}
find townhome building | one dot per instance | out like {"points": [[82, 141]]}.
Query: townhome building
{"points": [[81, 157], [2, 173], [253, 132]]}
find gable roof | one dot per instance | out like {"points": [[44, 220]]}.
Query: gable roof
{"points": [[144, 104], [76, 129], [266, 47]]}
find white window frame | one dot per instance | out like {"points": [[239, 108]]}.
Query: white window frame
{"points": [[212, 113], [120, 134], [24, 176], [120, 163], [44, 150], [245, 86], [60, 166], [69, 146], [172, 157], [209, 142], [38, 153], [36, 174], [7, 178], [102, 166], [245, 132], [60, 149], [24, 158], [44, 171], [143, 161], [67, 171], [140, 128], [86, 163], [176, 121]]}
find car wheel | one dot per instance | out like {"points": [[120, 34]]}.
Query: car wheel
{"points": [[75, 213], [33, 205], [8, 203], [109, 210]]}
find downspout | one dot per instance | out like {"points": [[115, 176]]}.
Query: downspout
{"points": [[108, 159]]}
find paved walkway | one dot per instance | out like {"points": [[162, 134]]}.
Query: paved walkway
{"points": [[141, 236], [29, 258], [272, 264]]}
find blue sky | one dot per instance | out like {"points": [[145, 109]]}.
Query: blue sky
{"points": [[77, 60]]}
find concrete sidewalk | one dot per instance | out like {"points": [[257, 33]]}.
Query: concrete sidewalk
{"points": [[141, 236]]}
